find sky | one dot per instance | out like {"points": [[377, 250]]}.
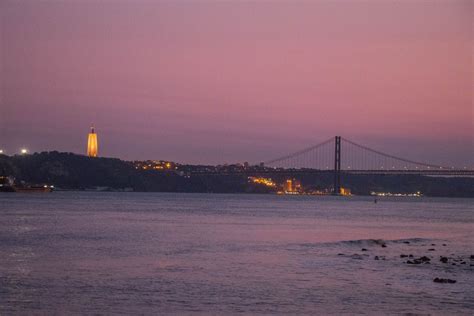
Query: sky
{"points": [[233, 81]]}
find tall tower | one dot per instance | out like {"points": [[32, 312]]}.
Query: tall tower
{"points": [[92, 144], [337, 167]]}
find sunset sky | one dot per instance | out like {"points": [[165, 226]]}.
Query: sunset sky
{"points": [[234, 81]]}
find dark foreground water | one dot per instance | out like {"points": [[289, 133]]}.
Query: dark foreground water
{"points": [[137, 253]]}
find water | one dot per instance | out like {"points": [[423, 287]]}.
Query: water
{"points": [[143, 253]]}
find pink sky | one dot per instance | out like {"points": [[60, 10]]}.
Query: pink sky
{"points": [[211, 81]]}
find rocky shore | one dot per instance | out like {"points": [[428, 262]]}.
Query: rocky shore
{"points": [[419, 255]]}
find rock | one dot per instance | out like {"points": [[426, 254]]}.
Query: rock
{"points": [[406, 242], [433, 244], [443, 259], [444, 245], [384, 245], [431, 249], [376, 258], [403, 256], [341, 254], [441, 280], [410, 256], [356, 256], [463, 262], [363, 249], [471, 257], [420, 260]]}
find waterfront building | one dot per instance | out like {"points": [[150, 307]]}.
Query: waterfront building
{"points": [[92, 144], [345, 191]]}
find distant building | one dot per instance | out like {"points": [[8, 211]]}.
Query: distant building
{"points": [[292, 186], [92, 144], [345, 191]]}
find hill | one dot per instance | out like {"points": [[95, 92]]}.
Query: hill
{"points": [[76, 172]]}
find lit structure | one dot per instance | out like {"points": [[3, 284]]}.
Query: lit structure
{"points": [[264, 181], [92, 144], [155, 165], [345, 191], [292, 186], [416, 194]]}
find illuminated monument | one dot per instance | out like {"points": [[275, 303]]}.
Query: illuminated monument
{"points": [[92, 145]]}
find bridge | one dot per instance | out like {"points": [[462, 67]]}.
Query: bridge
{"points": [[339, 155], [357, 159]]}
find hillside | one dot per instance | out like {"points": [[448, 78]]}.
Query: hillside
{"points": [[76, 172]]}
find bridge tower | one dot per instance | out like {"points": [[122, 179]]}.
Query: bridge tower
{"points": [[337, 166]]}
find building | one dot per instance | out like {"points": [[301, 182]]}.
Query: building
{"points": [[345, 191], [92, 144], [292, 186]]}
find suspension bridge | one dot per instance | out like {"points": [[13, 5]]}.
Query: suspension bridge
{"points": [[339, 155], [357, 159]]}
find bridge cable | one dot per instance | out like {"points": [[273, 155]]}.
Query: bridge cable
{"points": [[298, 153], [393, 157]]}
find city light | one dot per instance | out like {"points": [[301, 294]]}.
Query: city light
{"points": [[24, 151], [265, 181], [155, 165], [415, 194], [1, 151], [345, 192]]}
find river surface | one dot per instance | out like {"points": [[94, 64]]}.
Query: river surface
{"points": [[147, 253]]}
